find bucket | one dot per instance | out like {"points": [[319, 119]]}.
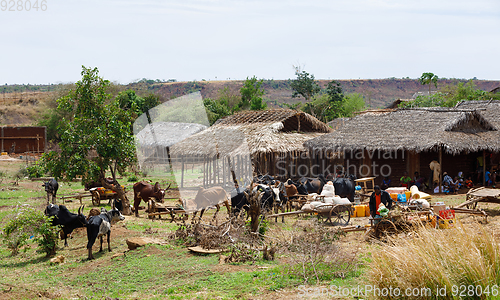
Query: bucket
{"points": [[359, 210], [394, 196], [408, 195]]}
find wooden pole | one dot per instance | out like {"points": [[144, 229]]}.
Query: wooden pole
{"points": [[440, 169], [182, 171], [484, 167]]}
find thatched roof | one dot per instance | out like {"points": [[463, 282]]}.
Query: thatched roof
{"points": [[167, 133], [417, 129], [490, 109], [396, 103], [254, 132], [337, 123]]}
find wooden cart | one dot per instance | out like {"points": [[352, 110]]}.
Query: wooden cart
{"points": [[334, 214], [101, 193]]}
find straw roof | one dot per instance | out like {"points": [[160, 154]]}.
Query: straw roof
{"points": [[490, 109], [254, 132], [166, 133], [417, 129], [337, 123]]}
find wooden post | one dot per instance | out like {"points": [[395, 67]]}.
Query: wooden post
{"points": [[215, 170], [223, 172], [484, 167], [204, 172], [182, 171], [440, 169]]}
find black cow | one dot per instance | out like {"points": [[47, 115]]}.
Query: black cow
{"points": [[267, 198], [101, 225], [240, 201], [68, 220], [344, 187], [301, 188], [51, 188]]}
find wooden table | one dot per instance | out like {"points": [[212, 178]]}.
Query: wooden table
{"points": [[365, 189]]}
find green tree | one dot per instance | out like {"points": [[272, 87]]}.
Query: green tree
{"points": [[428, 78], [353, 103], [129, 100], [251, 94], [96, 139], [304, 85]]}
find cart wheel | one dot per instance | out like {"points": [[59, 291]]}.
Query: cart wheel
{"points": [[96, 199], [384, 227], [341, 217]]}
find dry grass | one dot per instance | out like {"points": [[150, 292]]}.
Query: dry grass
{"points": [[452, 260]]}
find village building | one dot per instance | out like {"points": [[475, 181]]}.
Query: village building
{"points": [[253, 143], [391, 141]]}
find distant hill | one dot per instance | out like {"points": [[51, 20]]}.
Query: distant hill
{"points": [[21, 105], [377, 92]]}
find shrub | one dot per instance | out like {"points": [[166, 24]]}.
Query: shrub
{"points": [[315, 254], [29, 223], [448, 260], [132, 178]]}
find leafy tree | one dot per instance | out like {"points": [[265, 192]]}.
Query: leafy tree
{"points": [[97, 137], [352, 103], [216, 109], [251, 94], [304, 85], [128, 100], [428, 78], [335, 100]]}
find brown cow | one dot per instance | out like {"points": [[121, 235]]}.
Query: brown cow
{"points": [[144, 191], [211, 197]]}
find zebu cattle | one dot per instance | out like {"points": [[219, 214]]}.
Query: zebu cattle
{"points": [[51, 188], [100, 225], [144, 191], [68, 220], [211, 197]]}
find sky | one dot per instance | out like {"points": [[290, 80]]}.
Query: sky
{"points": [[234, 39]]}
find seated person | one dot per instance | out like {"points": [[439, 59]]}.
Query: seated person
{"points": [[377, 197], [386, 182], [405, 180], [420, 183], [448, 182], [468, 183]]}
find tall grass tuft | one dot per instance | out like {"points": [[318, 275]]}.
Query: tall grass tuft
{"points": [[459, 263]]}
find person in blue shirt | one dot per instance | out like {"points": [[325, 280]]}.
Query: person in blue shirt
{"points": [[487, 177]]}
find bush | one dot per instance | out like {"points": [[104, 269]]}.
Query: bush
{"points": [[29, 223], [132, 178], [34, 171], [448, 260], [315, 254]]}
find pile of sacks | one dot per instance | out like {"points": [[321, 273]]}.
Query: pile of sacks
{"points": [[328, 194]]}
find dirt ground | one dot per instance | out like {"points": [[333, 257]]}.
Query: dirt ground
{"points": [[77, 252]]}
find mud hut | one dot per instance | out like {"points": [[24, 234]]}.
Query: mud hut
{"points": [[254, 142], [391, 141]]}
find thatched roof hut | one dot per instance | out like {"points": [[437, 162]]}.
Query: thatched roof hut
{"points": [[490, 109], [265, 137], [268, 131], [409, 139], [416, 129]]}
